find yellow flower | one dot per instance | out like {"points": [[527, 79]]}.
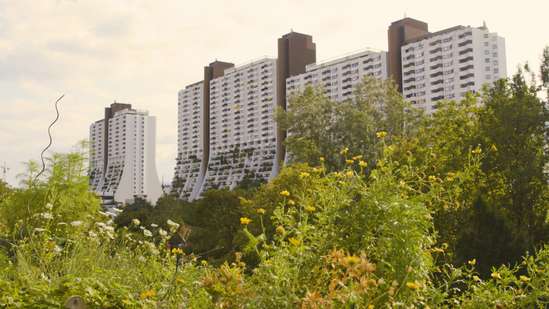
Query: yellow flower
{"points": [[349, 161], [204, 263], [472, 262], [260, 211], [476, 278], [349, 174], [147, 294], [450, 176], [370, 306], [344, 151], [351, 260], [294, 241], [304, 175], [381, 134], [524, 279], [280, 230], [245, 221], [477, 150], [321, 159], [285, 193], [357, 158], [432, 178], [362, 163], [412, 285], [177, 251], [291, 202], [310, 209], [494, 148], [496, 275]]}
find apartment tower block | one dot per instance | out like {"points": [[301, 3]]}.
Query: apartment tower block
{"points": [[122, 155], [227, 132]]}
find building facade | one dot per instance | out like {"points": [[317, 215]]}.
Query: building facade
{"points": [[238, 139], [97, 153], [400, 32], [193, 141], [449, 63], [242, 127], [125, 139], [227, 132], [338, 77], [189, 138]]}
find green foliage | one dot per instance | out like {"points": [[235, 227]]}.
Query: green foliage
{"points": [[319, 127], [213, 220], [443, 211], [63, 198], [4, 190]]}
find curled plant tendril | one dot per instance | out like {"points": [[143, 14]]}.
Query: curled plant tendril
{"points": [[51, 140]]}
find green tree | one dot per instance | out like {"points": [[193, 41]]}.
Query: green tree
{"points": [[214, 220], [513, 125], [4, 190], [63, 196], [544, 70], [318, 127]]}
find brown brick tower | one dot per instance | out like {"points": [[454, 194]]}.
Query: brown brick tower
{"points": [[399, 33], [295, 51]]}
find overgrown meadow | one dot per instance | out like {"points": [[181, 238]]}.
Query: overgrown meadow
{"points": [[380, 207]]}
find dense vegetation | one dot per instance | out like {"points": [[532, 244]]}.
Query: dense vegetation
{"points": [[380, 206]]}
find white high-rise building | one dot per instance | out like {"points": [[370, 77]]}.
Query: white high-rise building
{"points": [[242, 127], [97, 153], [190, 138], [449, 63], [231, 112], [338, 77], [122, 158]]}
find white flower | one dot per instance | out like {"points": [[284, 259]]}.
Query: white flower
{"points": [[92, 234], [172, 224], [76, 223], [136, 222], [39, 230], [154, 225], [57, 249], [147, 233], [46, 215], [162, 233], [49, 206], [101, 225], [109, 228]]}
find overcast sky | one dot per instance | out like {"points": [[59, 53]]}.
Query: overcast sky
{"points": [[143, 52]]}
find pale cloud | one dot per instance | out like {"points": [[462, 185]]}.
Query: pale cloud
{"points": [[143, 52]]}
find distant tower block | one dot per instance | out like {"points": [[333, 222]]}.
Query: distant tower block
{"points": [[399, 33], [295, 52], [122, 155]]}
